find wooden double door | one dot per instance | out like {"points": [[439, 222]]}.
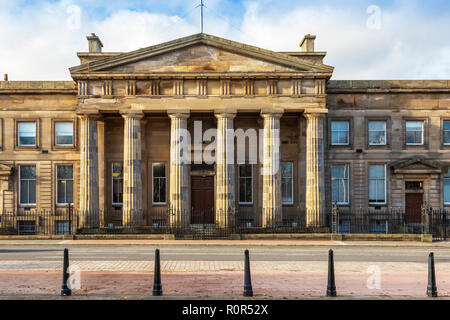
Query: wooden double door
{"points": [[202, 200]]}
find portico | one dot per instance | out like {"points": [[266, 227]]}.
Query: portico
{"points": [[161, 91]]}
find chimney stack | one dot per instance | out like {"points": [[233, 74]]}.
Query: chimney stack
{"points": [[6, 77], [95, 45], [307, 43]]}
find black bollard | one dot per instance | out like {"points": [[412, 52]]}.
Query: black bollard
{"points": [[431, 290], [157, 286], [248, 289], [331, 286], [65, 290]]}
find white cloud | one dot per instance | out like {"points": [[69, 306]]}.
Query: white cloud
{"points": [[40, 43]]}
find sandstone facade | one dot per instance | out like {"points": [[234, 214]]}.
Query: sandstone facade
{"points": [[127, 109]]}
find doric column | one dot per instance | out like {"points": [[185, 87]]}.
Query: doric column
{"points": [[272, 214], [89, 195], [132, 170], [315, 174], [225, 184], [179, 174]]}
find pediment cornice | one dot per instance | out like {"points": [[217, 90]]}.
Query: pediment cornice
{"points": [[100, 66]]}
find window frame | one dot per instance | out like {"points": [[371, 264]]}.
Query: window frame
{"points": [[153, 183], [112, 183], [347, 165], [443, 187], [444, 144], [348, 132], [292, 184], [20, 185], [36, 134], [385, 133], [57, 179], [56, 134], [239, 183], [385, 184], [422, 136], [73, 146]]}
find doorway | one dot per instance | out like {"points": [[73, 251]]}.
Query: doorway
{"points": [[413, 206], [202, 200]]}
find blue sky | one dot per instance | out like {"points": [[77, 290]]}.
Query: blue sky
{"points": [[395, 39]]}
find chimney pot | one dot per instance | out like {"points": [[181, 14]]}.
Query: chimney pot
{"points": [[6, 77], [307, 43], [95, 45]]}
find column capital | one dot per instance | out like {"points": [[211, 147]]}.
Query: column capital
{"points": [[271, 114], [92, 114], [178, 114], [315, 113], [132, 114], [225, 115]]}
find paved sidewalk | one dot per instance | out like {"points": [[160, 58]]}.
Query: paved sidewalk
{"points": [[325, 243]]}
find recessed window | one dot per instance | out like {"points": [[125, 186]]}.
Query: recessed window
{"points": [[159, 183], [377, 133], [340, 133], [446, 128], [117, 183], [340, 184], [27, 185], [245, 184], [377, 184], [414, 132], [287, 182], [64, 133], [26, 132], [447, 187], [64, 184]]}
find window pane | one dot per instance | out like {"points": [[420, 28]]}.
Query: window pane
{"points": [[24, 191], [377, 137], [339, 126], [117, 170], [69, 191], [159, 170], [61, 191], [376, 171], [446, 125], [27, 172], [447, 137], [447, 190], [287, 182], [32, 191], [286, 169], [414, 125], [65, 172], [27, 133], [245, 170], [377, 126], [339, 171], [64, 133]]}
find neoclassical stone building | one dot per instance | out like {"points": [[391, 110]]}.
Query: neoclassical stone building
{"points": [[109, 141]]}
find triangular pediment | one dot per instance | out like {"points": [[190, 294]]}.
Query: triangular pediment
{"points": [[416, 164], [200, 53]]}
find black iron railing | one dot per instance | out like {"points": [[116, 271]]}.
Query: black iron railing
{"points": [[164, 220]]}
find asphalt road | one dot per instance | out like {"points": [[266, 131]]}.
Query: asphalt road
{"points": [[220, 253]]}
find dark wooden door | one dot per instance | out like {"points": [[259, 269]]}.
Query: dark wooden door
{"points": [[202, 200], [413, 207]]}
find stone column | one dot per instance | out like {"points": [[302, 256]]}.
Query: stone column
{"points": [[179, 174], [272, 214], [315, 173], [89, 193], [225, 180], [132, 171]]}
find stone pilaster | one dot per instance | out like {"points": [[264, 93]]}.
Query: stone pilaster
{"points": [[132, 171], [179, 174], [89, 191], [225, 179], [272, 214], [315, 173]]}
